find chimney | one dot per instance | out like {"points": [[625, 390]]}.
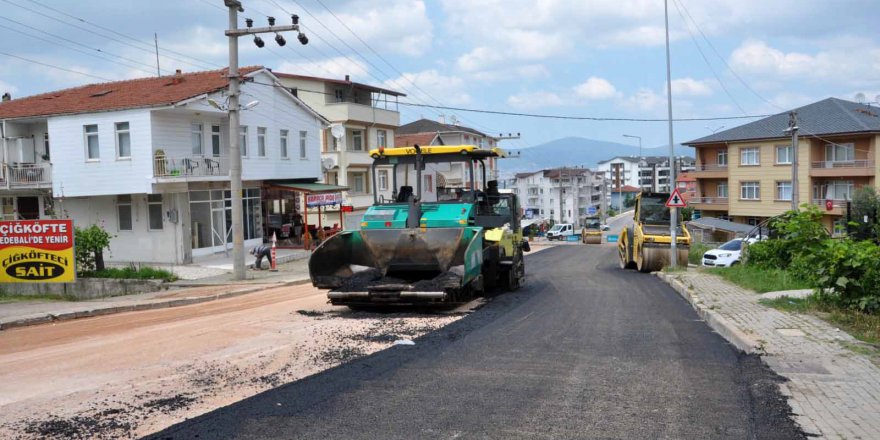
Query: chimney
{"points": [[347, 78], [7, 97], [178, 77], [442, 119]]}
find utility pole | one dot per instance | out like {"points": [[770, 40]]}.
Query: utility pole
{"points": [[561, 196], [234, 109], [793, 128], [604, 200], [156, 41], [673, 217]]}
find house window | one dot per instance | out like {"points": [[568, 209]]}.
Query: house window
{"points": [[840, 152], [340, 95], [383, 180], [261, 141], [46, 146], [783, 190], [123, 141], [215, 140], [722, 157], [357, 140], [783, 154], [242, 142], [196, 136], [721, 190], [837, 190], [283, 143], [154, 207], [123, 212], [381, 136], [750, 190], [429, 183], [303, 135], [93, 152], [358, 183], [334, 143], [749, 156]]}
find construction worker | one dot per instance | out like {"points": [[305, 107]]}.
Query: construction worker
{"points": [[260, 252]]}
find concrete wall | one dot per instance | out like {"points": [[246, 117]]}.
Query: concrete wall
{"points": [[86, 288]]}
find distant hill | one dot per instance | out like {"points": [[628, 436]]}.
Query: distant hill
{"points": [[576, 151]]}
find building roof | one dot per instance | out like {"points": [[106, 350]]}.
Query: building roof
{"points": [[626, 158], [120, 95], [714, 224], [408, 140], [430, 126], [345, 82], [684, 177], [827, 117], [628, 189]]}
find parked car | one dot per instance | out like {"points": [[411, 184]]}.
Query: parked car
{"points": [[726, 255], [559, 231]]}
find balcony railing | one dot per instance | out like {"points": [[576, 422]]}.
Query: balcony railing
{"points": [[711, 167], [191, 166], [832, 164], [709, 200], [27, 174], [834, 203]]}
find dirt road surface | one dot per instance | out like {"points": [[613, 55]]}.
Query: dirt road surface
{"points": [[131, 374]]}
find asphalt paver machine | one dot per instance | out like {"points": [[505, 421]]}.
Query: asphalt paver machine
{"points": [[409, 250]]}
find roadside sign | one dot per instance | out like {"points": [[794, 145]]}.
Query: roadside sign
{"points": [[591, 210], [347, 208], [37, 251], [676, 200], [611, 238]]}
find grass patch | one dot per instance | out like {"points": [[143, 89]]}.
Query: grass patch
{"points": [[131, 273], [760, 280], [696, 251], [862, 326]]}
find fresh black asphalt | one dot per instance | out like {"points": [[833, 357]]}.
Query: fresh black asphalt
{"points": [[584, 350]]}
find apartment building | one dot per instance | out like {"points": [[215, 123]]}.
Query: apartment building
{"points": [[648, 173], [744, 174], [369, 118], [578, 189], [148, 159]]}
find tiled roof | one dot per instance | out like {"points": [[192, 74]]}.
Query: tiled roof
{"points": [[827, 117], [429, 126], [120, 95], [629, 189], [408, 140]]}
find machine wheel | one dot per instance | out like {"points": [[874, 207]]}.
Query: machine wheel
{"points": [[490, 268], [651, 259], [625, 250], [512, 279]]}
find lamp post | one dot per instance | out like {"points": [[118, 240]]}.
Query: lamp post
{"points": [[673, 217]]}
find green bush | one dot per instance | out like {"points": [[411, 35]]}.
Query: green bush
{"points": [[796, 233], [89, 247], [696, 251], [848, 272], [131, 273]]}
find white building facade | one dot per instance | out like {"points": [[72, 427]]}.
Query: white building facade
{"points": [[648, 173], [578, 189], [156, 174]]}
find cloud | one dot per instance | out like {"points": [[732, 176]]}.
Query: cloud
{"points": [[6, 87], [690, 87], [336, 67], [595, 88], [534, 100], [396, 26], [428, 86]]}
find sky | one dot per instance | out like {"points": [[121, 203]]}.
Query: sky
{"points": [[582, 58]]}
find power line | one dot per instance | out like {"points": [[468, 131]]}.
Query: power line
{"points": [[54, 67], [89, 52], [149, 45], [706, 59]]}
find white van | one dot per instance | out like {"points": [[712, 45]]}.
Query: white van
{"points": [[559, 231]]}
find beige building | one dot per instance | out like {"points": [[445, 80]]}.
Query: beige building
{"points": [[368, 117], [744, 174]]}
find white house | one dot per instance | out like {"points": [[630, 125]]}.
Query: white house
{"points": [[578, 189], [148, 159], [649, 173], [368, 117]]}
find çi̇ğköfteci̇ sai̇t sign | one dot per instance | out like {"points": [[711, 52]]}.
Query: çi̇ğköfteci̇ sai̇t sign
{"points": [[37, 251]]}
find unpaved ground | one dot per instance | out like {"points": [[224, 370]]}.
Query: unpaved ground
{"points": [[127, 375]]}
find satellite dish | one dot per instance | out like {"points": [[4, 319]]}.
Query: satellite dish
{"points": [[337, 130], [860, 98]]}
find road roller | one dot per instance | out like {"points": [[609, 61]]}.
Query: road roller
{"points": [[647, 244], [592, 231], [426, 245]]}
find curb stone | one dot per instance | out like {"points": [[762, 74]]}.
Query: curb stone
{"points": [[111, 310], [716, 322]]}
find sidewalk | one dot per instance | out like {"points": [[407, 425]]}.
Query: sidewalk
{"points": [[183, 292], [219, 264], [834, 392]]}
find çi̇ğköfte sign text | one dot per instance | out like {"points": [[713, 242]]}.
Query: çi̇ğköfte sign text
{"points": [[37, 251]]}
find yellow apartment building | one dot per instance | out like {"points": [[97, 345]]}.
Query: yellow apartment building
{"points": [[744, 174]]}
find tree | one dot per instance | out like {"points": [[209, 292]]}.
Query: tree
{"points": [[90, 243], [629, 201], [865, 204]]}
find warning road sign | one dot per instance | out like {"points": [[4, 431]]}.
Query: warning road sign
{"points": [[676, 200]]}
